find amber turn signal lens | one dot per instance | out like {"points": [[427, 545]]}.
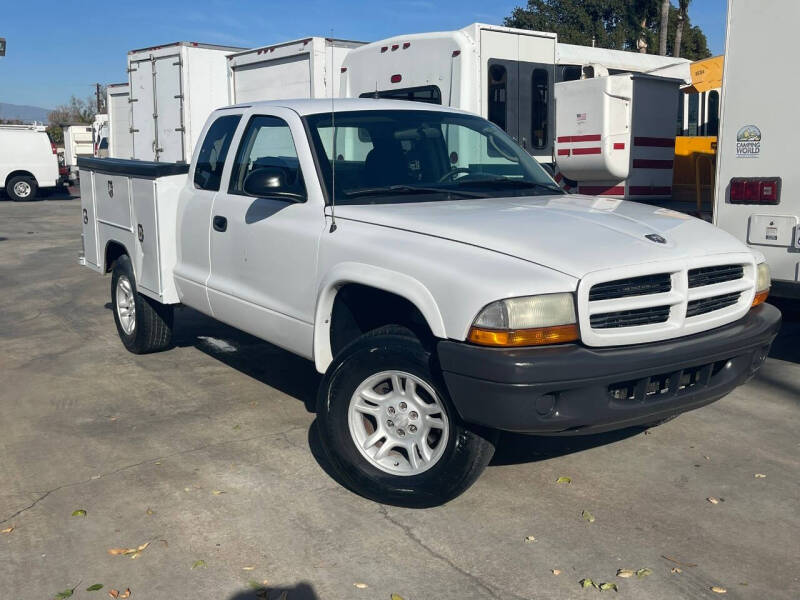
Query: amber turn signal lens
{"points": [[760, 297], [524, 337]]}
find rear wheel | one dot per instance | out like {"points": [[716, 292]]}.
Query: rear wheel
{"points": [[143, 324], [389, 429], [21, 188]]}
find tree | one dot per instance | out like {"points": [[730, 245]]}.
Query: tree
{"points": [[75, 111], [683, 8], [617, 24], [663, 28]]}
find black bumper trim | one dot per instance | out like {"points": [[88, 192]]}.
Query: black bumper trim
{"points": [[566, 389]]}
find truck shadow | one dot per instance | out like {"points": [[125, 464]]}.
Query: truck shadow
{"points": [[301, 591]]}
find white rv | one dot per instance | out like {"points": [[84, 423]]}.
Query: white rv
{"points": [[119, 121], [758, 184], [584, 62], [307, 68], [505, 75], [173, 89]]}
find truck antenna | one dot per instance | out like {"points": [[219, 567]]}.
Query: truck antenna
{"points": [[333, 142]]}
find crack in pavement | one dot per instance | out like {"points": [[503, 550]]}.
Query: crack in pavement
{"points": [[45, 494], [492, 590]]}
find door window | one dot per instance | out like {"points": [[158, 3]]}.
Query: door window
{"points": [[712, 127], [498, 95], [267, 153], [211, 160], [694, 114], [539, 99], [428, 93]]}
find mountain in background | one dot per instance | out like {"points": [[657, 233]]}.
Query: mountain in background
{"points": [[24, 113]]}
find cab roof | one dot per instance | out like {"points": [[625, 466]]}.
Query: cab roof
{"points": [[306, 106]]}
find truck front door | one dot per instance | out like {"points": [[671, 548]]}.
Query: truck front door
{"points": [[265, 234]]}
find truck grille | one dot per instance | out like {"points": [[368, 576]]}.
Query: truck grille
{"points": [[631, 306], [711, 275], [631, 318], [706, 305], [633, 286]]}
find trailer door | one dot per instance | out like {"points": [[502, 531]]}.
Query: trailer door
{"points": [[142, 109], [169, 109], [536, 114], [276, 79]]}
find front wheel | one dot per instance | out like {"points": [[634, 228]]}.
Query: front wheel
{"points": [[143, 325], [389, 429]]}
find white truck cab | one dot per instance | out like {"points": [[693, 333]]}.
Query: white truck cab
{"points": [[28, 161], [437, 277]]}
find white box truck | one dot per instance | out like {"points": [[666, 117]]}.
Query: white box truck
{"points": [[119, 121], [758, 184], [78, 142], [28, 161], [307, 68], [173, 89]]}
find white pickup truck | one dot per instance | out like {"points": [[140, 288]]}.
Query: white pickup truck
{"points": [[437, 277]]}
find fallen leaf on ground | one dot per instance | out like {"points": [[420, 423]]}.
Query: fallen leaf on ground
{"points": [[677, 562], [133, 552], [587, 516], [94, 587], [361, 586], [198, 564], [149, 511], [676, 570], [65, 594], [643, 572], [237, 426], [79, 513], [117, 551], [529, 539], [126, 593], [759, 476], [113, 593], [713, 500], [625, 573], [586, 582], [718, 589], [707, 457], [608, 586], [396, 597], [248, 568], [563, 480], [7, 529], [217, 492], [556, 571], [255, 584]]}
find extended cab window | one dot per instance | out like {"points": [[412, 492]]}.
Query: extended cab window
{"points": [[211, 160], [266, 163]]}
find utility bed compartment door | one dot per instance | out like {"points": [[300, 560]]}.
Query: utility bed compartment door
{"points": [[146, 257], [112, 202], [88, 223]]}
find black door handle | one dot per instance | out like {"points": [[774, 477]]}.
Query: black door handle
{"points": [[220, 223]]}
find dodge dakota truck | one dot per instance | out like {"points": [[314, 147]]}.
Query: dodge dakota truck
{"points": [[440, 281]]}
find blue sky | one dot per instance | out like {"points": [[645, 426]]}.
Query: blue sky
{"points": [[66, 46]]}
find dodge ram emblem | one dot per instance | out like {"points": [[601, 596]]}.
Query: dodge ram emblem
{"points": [[654, 237]]}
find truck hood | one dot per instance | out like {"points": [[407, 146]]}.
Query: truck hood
{"points": [[569, 233]]}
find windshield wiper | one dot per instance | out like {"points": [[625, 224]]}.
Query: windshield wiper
{"points": [[397, 190], [518, 183]]}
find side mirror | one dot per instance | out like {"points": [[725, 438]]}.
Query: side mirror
{"points": [[271, 182]]}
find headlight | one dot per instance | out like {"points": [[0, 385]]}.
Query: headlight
{"points": [[528, 321], [763, 281]]}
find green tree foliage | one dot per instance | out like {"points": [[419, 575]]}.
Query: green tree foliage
{"points": [[615, 24], [76, 111]]}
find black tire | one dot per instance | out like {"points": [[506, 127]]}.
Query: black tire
{"points": [[467, 451], [31, 184], [152, 327]]}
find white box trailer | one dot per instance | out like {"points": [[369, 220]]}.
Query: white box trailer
{"points": [[78, 142], [505, 75], [119, 121], [757, 195], [616, 135], [173, 89], [307, 68]]}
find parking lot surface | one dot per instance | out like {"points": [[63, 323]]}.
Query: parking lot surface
{"points": [[208, 453]]}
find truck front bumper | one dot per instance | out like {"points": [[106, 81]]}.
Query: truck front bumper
{"points": [[574, 389]]}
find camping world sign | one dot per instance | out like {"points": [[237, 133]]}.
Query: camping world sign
{"points": [[748, 142]]}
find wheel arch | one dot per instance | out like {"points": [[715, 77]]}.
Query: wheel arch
{"points": [[377, 278], [114, 249], [19, 173]]}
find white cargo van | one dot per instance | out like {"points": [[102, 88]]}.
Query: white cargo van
{"points": [[758, 183], [28, 161], [173, 89], [307, 68], [119, 121]]}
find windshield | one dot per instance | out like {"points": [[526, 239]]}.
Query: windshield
{"points": [[387, 156]]}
